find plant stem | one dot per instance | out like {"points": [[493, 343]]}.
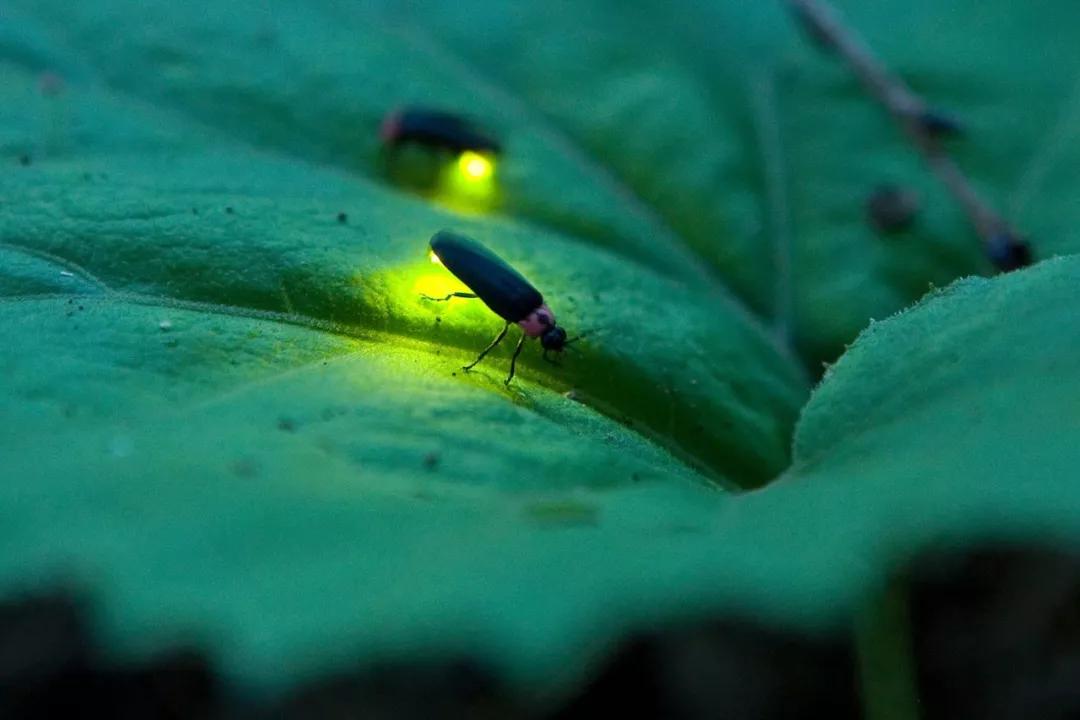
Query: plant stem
{"points": [[924, 128], [883, 646]]}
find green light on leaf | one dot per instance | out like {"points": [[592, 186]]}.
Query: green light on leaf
{"points": [[438, 283], [468, 183], [475, 167]]}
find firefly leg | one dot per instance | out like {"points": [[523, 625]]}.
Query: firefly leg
{"points": [[513, 360], [489, 348], [451, 295]]}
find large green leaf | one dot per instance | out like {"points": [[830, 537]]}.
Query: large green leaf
{"points": [[228, 412], [242, 382], [284, 492], [172, 470], [952, 422]]}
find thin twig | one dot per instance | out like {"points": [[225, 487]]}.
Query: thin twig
{"points": [[925, 127]]}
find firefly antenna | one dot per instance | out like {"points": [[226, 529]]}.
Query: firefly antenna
{"points": [[575, 339]]}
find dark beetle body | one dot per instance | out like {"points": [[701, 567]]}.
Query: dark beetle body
{"points": [[436, 128], [499, 286]]}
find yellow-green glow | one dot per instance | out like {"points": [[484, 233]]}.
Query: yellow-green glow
{"points": [[435, 282], [405, 286], [468, 183], [437, 285], [475, 167]]}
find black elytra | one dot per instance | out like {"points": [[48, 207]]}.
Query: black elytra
{"points": [[503, 289], [437, 129], [495, 282]]}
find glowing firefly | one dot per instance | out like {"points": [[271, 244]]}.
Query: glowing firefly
{"points": [[436, 129], [501, 288]]}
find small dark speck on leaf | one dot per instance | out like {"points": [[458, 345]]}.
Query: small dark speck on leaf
{"points": [[636, 477], [562, 513], [286, 424], [342, 218], [245, 468], [431, 460], [81, 307], [438, 319], [229, 210], [25, 160], [265, 38], [87, 176], [677, 529], [891, 208], [332, 412], [194, 211], [50, 84], [454, 374]]}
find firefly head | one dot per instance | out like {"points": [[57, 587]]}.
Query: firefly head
{"points": [[554, 338], [540, 323]]}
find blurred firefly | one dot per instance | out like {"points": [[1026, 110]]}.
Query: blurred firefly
{"points": [[475, 150], [436, 129], [891, 208], [502, 289]]}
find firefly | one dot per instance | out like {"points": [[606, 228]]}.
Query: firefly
{"points": [[440, 130], [502, 289]]}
